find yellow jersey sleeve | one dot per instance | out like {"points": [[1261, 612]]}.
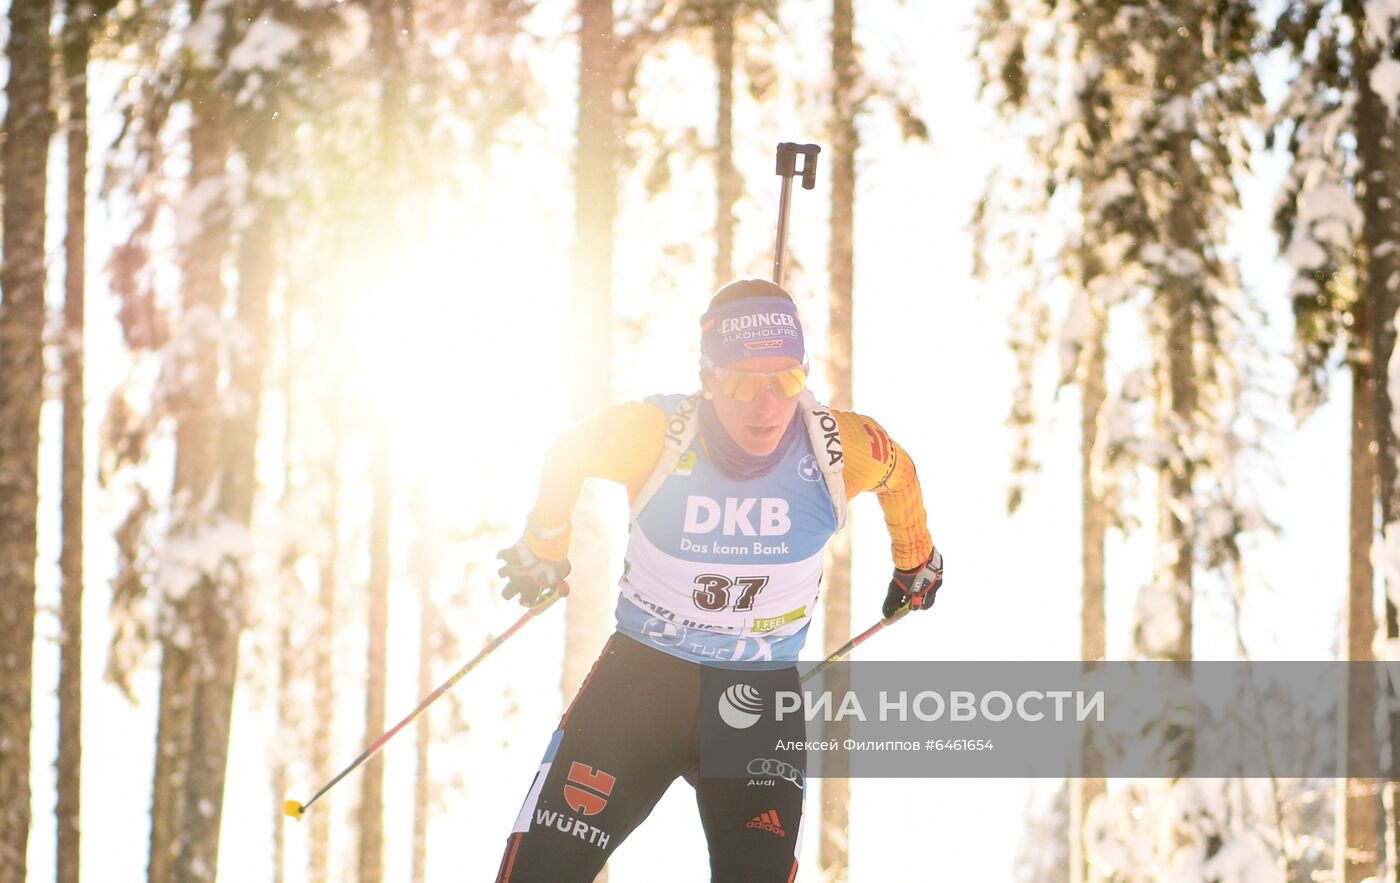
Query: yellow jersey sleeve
{"points": [[621, 443], [874, 462]]}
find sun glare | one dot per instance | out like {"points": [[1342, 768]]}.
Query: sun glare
{"points": [[467, 359]]}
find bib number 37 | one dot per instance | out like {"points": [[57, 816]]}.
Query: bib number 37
{"points": [[714, 591]]}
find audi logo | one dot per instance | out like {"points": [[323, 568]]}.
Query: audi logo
{"points": [[768, 766]]}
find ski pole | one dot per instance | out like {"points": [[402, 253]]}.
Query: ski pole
{"points": [[853, 643], [296, 810], [787, 169]]}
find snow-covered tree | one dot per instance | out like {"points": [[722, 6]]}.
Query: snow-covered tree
{"points": [[1339, 223], [294, 195], [1017, 70], [1043, 854], [1135, 116]]}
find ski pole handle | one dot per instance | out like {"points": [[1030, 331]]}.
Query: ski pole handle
{"points": [[788, 152]]}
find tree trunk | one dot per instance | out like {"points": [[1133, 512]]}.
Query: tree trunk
{"points": [[1176, 511], [844, 142], [324, 640], [587, 618], [286, 659], [595, 215], [29, 125], [726, 175], [1176, 373], [422, 789], [177, 816], [70, 678], [171, 760], [1091, 376], [1378, 178], [290, 719], [1372, 449], [219, 601], [212, 709], [1092, 389], [387, 24], [1358, 825], [372, 784], [833, 856], [1175, 531]]}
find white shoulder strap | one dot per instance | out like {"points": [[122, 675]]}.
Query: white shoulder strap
{"points": [[681, 427], [825, 436], [822, 431]]}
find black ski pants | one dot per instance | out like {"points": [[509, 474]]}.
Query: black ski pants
{"points": [[631, 730]]}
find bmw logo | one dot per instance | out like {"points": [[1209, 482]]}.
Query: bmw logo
{"points": [[808, 469], [663, 633]]}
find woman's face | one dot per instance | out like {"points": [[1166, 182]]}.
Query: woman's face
{"points": [[756, 426]]}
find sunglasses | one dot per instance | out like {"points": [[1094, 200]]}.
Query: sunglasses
{"points": [[745, 386]]}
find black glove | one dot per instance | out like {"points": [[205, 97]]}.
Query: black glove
{"points": [[916, 587], [527, 574]]}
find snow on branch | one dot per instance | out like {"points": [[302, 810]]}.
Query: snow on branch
{"points": [[216, 549], [264, 46]]}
